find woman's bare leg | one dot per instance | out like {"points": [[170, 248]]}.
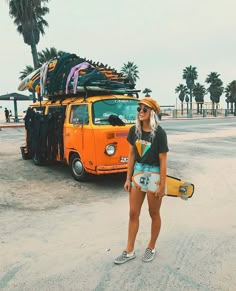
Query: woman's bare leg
{"points": [[136, 198], [154, 204]]}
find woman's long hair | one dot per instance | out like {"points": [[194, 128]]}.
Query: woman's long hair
{"points": [[153, 125]]}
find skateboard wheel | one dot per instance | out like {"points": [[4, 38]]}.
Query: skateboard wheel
{"points": [[182, 189], [184, 196]]}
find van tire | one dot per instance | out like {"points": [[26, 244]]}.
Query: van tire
{"points": [[77, 169]]}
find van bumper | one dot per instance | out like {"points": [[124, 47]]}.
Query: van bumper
{"points": [[110, 169]]}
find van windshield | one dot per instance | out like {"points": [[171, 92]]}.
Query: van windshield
{"points": [[125, 109]]}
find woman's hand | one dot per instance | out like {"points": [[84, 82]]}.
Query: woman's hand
{"points": [[160, 192], [127, 185]]}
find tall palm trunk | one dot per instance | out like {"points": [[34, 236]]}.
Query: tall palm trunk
{"points": [[36, 64], [213, 107], [191, 100], [35, 56], [201, 109], [34, 52]]}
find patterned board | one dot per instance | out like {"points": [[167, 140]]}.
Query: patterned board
{"points": [[24, 84], [149, 181]]}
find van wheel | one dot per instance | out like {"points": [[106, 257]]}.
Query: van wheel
{"points": [[77, 169]]}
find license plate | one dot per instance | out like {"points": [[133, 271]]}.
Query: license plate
{"points": [[123, 159]]}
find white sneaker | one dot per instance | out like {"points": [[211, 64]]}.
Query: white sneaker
{"points": [[149, 255], [125, 257]]}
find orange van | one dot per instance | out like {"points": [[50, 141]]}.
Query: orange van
{"points": [[89, 134]]}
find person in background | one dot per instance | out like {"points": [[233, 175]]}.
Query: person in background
{"points": [[24, 114], [10, 115], [147, 156], [7, 115]]}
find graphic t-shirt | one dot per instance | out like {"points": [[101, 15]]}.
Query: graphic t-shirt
{"points": [[147, 151]]}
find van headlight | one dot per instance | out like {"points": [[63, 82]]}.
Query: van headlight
{"points": [[110, 149]]}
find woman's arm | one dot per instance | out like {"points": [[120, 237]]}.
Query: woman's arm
{"points": [[131, 161], [163, 169]]}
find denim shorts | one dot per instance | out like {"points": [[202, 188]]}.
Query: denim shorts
{"points": [[145, 177], [139, 167]]}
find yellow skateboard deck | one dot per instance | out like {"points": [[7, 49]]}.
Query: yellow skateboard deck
{"points": [[175, 187], [179, 188]]}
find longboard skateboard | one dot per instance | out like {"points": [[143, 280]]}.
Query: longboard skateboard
{"points": [[175, 187]]}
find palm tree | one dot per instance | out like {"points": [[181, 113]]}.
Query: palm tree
{"points": [[26, 72], [230, 91], [130, 70], [182, 90], [199, 92], [48, 54], [146, 91], [28, 17], [215, 88], [190, 75]]}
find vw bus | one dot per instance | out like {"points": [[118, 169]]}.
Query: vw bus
{"points": [[88, 134]]}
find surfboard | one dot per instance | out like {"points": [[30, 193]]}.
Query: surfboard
{"points": [[100, 89], [33, 79], [24, 84]]}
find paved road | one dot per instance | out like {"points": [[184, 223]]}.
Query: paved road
{"points": [[58, 234], [198, 125]]}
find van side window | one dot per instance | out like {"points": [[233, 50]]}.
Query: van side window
{"points": [[79, 114], [40, 110], [59, 109]]}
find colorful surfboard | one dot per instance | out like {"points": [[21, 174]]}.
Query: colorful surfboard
{"points": [[53, 77], [33, 79], [24, 84]]}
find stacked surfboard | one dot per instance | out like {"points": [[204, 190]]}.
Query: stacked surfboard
{"points": [[70, 74]]}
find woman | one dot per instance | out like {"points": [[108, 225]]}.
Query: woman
{"points": [[146, 175]]}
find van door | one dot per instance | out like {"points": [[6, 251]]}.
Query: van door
{"points": [[78, 134]]}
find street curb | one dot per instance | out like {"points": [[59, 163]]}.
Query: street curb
{"points": [[163, 119], [196, 118], [12, 126]]}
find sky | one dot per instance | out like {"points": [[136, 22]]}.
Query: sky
{"points": [[161, 37]]}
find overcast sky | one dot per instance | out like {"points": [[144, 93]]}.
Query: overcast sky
{"points": [[161, 37]]}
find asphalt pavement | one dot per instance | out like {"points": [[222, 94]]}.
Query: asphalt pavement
{"points": [[59, 234]]}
